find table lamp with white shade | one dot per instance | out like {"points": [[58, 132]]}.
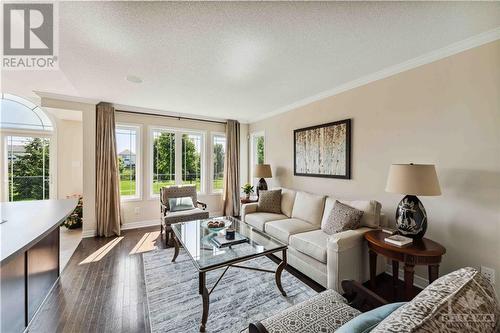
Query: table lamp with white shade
{"points": [[412, 180], [262, 171]]}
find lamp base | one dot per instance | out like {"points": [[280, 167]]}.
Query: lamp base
{"points": [[262, 186], [411, 217]]}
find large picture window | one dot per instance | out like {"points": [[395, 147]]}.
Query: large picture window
{"points": [[163, 159], [218, 157], [28, 168], [127, 145], [177, 159]]}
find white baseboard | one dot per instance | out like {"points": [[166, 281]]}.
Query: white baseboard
{"points": [[141, 224], [418, 281], [89, 233]]}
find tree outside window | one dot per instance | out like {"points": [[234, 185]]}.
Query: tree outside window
{"points": [[163, 160], [219, 155], [28, 168], [191, 160]]}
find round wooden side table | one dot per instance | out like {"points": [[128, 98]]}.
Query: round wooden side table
{"points": [[421, 252], [249, 200]]}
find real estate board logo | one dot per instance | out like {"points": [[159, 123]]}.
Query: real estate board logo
{"points": [[29, 36]]}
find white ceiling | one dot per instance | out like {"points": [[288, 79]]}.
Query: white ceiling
{"points": [[239, 60]]}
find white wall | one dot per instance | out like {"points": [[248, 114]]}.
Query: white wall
{"points": [[69, 158], [88, 156], [445, 113]]}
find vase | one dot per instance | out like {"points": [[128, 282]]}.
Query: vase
{"points": [[411, 217]]}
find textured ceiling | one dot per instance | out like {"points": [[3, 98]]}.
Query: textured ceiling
{"points": [[239, 60]]}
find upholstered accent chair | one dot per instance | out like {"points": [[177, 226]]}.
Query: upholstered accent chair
{"points": [[169, 217], [462, 301]]}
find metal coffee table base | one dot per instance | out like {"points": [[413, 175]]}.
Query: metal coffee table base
{"points": [[202, 280]]}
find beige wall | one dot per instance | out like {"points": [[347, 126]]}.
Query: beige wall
{"points": [[145, 211], [69, 158], [88, 156], [445, 113]]}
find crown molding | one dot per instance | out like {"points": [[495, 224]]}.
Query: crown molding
{"points": [[66, 98], [463, 45]]}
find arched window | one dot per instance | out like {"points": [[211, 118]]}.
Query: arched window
{"points": [[26, 134]]}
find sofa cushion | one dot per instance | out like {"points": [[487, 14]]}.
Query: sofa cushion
{"points": [[371, 209], [258, 219], [461, 301], [308, 207], [287, 200], [283, 229], [313, 243], [270, 201]]}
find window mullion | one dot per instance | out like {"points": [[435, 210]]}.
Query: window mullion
{"points": [[178, 158]]}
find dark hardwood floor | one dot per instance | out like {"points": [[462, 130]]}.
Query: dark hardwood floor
{"points": [[106, 293]]}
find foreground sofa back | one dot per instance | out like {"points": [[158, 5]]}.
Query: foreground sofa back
{"points": [[327, 259]]}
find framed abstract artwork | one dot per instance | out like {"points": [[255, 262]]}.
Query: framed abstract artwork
{"points": [[323, 150]]}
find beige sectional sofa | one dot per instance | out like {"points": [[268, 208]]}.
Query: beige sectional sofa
{"points": [[326, 259]]}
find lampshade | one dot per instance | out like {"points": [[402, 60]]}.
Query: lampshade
{"points": [[262, 171], [413, 179]]}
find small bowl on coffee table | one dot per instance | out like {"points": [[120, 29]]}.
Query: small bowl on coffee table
{"points": [[215, 226]]}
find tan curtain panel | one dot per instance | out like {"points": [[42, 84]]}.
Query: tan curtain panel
{"points": [[107, 177], [231, 192]]}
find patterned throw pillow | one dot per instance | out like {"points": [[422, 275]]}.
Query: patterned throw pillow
{"points": [[461, 301], [341, 218], [269, 201]]}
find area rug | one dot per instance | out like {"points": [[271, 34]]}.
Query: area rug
{"points": [[241, 297]]}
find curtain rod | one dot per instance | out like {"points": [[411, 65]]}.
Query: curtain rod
{"points": [[174, 117]]}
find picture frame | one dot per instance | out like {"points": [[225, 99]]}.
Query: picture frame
{"points": [[323, 150]]}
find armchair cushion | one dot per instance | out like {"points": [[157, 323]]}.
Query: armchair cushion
{"points": [[177, 192], [283, 229], [181, 203], [259, 219], [313, 243], [185, 215], [308, 207]]}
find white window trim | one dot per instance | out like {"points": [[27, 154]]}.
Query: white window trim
{"points": [[211, 149], [178, 152], [138, 161], [253, 162]]}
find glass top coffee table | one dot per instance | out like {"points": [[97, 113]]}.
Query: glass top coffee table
{"points": [[196, 239]]}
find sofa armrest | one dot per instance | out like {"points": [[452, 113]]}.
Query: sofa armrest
{"points": [[345, 240], [346, 257], [248, 209]]}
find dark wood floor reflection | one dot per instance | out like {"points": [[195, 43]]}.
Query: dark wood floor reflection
{"points": [[106, 293]]}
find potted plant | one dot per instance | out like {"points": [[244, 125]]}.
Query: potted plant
{"points": [[75, 220], [247, 189]]}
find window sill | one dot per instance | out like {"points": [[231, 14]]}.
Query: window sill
{"points": [[130, 199]]}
